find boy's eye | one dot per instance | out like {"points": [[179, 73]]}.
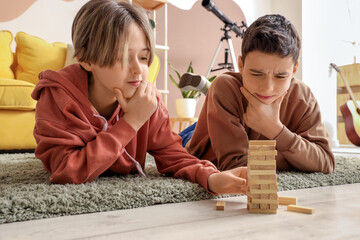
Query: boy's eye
{"points": [[280, 76], [256, 74]]}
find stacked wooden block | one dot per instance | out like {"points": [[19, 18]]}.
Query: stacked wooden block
{"points": [[262, 194]]}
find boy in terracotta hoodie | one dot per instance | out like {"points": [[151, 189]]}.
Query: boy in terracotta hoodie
{"points": [[101, 115], [263, 101]]}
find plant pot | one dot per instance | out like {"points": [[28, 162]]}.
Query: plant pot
{"points": [[185, 107]]}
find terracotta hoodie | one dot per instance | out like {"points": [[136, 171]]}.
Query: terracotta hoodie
{"points": [[77, 145], [222, 137]]}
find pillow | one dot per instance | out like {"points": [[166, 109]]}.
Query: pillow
{"points": [[6, 55], [69, 55], [16, 95], [35, 55]]}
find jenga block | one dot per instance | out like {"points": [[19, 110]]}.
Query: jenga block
{"points": [[269, 158], [263, 177], [262, 142], [261, 147], [274, 196], [262, 172], [256, 157], [274, 206], [254, 206], [220, 205], [266, 153], [262, 191], [300, 209], [260, 181], [270, 211], [265, 201], [287, 200], [261, 162], [261, 167]]}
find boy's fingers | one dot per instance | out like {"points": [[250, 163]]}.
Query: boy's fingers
{"points": [[120, 97], [141, 88], [242, 172]]}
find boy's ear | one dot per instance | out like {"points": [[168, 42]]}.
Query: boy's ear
{"points": [[240, 64], [86, 66], [296, 67]]}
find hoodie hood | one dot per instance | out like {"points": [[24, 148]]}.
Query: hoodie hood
{"points": [[72, 80]]}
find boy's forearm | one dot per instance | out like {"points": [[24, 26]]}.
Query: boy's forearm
{"points": [[305, 154]]}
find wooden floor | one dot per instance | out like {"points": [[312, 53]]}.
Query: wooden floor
{"points": [[337, 216]]}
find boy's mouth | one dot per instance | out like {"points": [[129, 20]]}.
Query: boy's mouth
{"points": [[135, 83], [261, 97]]}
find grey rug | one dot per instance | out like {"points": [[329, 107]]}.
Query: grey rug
{"points": [[26, 192]]}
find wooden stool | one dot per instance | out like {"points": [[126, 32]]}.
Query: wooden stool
{"points": [[183, 123]]}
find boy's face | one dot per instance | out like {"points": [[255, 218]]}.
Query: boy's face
{"points": [[267, 76], [127, 74]]}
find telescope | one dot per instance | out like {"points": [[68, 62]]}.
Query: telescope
{"points": [[210, 6]]}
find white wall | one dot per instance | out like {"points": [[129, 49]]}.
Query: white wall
{"points": [[326, 24]]}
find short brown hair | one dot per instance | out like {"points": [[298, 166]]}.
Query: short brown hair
{"points": [[100, 30], [272, 34]]}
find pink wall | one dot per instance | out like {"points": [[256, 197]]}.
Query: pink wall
{"points": [[10, 10], [194, 36]]}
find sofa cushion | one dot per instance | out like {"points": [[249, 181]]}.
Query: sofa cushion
{"points": [[35, 55], [16, 95], [6, 55]]}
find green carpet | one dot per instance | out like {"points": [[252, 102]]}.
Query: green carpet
{"points": [[27, 194]]}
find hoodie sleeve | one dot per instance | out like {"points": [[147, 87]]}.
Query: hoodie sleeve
{"points": [[170, 157], [69, 146], [305, 145]]}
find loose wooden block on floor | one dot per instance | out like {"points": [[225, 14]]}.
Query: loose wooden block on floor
{"points": [[300, 209], [220, 205], [287, 200]]}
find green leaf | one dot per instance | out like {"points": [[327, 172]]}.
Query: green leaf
{"points": [[173, 81], [189, 67], [212, 78], [176, 71]]}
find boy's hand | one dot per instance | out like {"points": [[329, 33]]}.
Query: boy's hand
{"points": [[139, 108], [261, 117], [232, 181]]}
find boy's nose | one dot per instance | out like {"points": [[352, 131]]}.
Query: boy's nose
{"points": [[268, 84], [135, 67]]}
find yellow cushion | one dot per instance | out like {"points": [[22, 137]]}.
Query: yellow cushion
{"points": [[6, 55], [35, 55], [16, 129], [16, 95], [153, 70]]}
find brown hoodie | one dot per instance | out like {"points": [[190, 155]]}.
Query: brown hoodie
{"points": [[77, 145], [222, 137]]}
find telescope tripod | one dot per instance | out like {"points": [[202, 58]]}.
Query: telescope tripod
{"points": [[226, 65]]}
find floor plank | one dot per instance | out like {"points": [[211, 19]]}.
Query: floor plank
{"points": [[337, 216]]}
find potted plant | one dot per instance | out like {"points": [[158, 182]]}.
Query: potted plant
{"points": [[186, 106]]}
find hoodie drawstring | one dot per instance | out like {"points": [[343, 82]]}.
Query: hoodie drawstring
{"points": [[105, 128]]}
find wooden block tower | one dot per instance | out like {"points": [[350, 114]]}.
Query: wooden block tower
{"points": [[262, 194]]}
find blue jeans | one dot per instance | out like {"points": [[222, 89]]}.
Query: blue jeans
{"points": [[187, 133]]}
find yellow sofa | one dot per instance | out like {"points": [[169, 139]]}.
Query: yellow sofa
{"points": [[18, 77]]}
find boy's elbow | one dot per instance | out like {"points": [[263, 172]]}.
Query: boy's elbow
{"points": [[330, 165]]}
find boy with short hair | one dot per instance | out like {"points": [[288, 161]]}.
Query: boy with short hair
{"points": [[100, 115], [263, 101]]}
